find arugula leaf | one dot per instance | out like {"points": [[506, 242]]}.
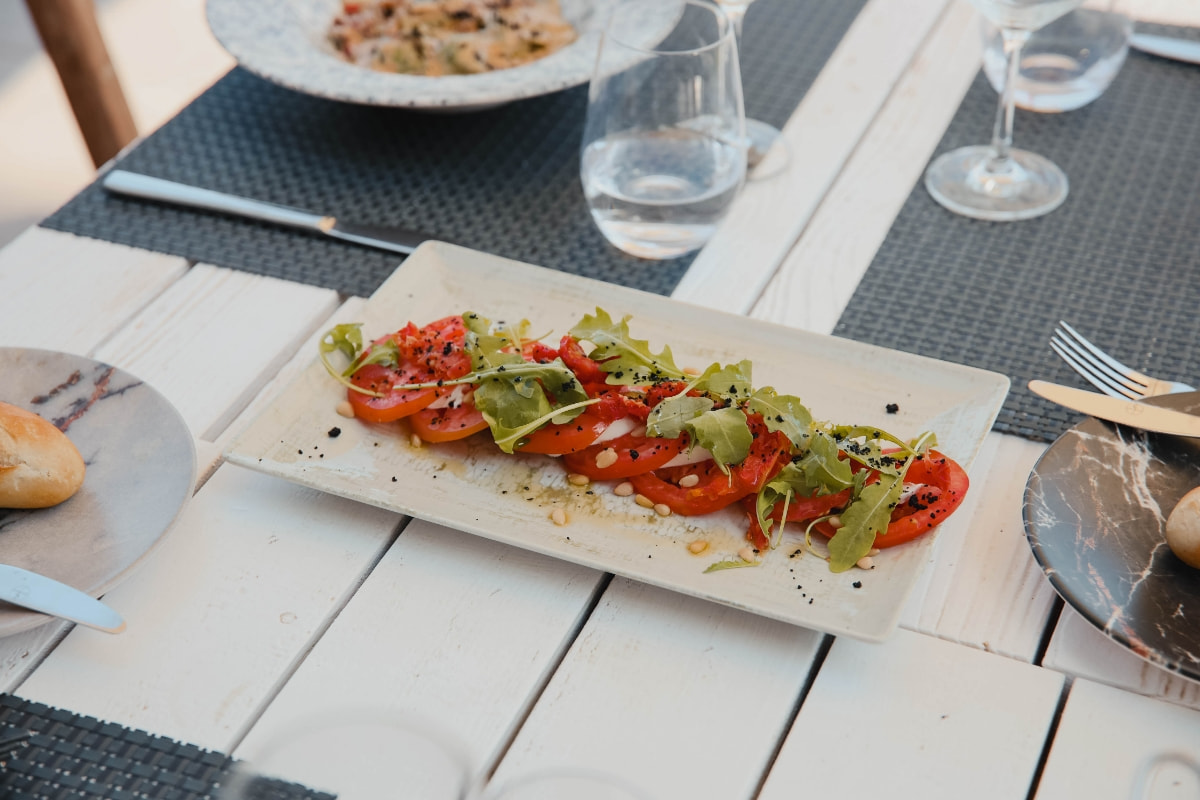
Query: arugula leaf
{"points": [[514, 395], [731, 382], [822, 467], [732, 563], [669, 418], [865, 518], [628, 361], [783, 412], [725, 433], [346, 338]]}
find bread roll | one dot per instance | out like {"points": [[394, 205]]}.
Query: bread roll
{"points": [[39, 466], [1183, 529]]}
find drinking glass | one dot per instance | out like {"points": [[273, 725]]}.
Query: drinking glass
{"points": [[1068, 63], [761, 136], [351, 755], [663, 152], [998, 182]]}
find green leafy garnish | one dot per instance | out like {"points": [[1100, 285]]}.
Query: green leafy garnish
{"points": [[732, 563], [783, 412], [628, 361], [731, 382], [723, 432], [864, 519], [670, 418]]}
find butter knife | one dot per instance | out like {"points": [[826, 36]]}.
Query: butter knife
{"points": [[1166, 47], [39, 593], [132, 184], [1125, 412]]}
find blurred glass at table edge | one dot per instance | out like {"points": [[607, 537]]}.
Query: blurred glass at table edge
{"points": [[663, 153], [1067, 64]]}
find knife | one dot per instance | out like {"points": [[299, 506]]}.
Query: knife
{"points": [[132, 184], [1126, 412], [1166, 47], [31, 590]]}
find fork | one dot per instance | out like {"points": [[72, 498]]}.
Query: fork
{"points": [[1105, 372]]}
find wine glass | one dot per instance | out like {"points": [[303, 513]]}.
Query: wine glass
{"points": [[761, 136], [663, 154], [998, 182], [350, 754]]}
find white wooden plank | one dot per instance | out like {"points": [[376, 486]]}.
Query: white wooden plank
{"points": [[985, 589], [731, 270], [64, 292], [215, 337], [449, 627], [228, 603], [1115, 745], [684, 698], [1079, 648], [820, 274], [20, 654], [917, 717]]}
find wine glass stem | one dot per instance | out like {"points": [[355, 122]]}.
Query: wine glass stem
{"points": [[736, 13], [1002, 132]]}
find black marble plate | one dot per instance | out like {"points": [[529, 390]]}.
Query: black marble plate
{"points": [[1096, 506]]}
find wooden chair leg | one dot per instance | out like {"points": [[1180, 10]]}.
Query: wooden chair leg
{"points": [[72, 39]]}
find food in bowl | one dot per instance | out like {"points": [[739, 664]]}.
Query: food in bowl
{"points": [[448, 37]]}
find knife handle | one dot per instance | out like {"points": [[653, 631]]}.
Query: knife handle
{"points": [[148, 188]]}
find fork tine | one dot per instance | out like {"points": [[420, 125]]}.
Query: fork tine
{"points": [[1086, 363], [1129, 374], [1098, 379]]}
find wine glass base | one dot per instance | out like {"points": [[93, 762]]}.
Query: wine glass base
{"points": [[970, 182], [767, 153]]}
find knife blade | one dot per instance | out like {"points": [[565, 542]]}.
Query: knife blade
{"points": [[1125, 412], [1166, 47], [39, 593], [145, 187]]}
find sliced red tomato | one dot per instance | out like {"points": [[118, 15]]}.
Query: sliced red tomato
{"points": [[392, 405], [426, 355], [715, 489], [568, 437], [635, 453], [587, 370], [447, 424], [941, 485]]}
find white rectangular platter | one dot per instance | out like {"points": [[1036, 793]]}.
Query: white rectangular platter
{"points": [[473, 487]]}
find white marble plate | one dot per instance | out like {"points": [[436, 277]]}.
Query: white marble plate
{"points": [[284, 42], [1096, 505], [141, 468], [473, 487]]}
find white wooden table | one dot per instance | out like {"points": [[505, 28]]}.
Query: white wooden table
{"points": [[268, 600]]}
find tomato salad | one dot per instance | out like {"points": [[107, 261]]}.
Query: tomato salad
{"points": [[694, 443]]}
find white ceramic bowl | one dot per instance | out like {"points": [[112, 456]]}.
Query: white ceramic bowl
{"points": [[284, 42]]}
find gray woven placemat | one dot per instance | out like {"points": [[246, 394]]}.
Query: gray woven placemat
{"points": [[1120, 260], [504, 181]]}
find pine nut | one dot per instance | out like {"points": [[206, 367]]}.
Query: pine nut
{"points": [[606, 458], [747, 553], [835, 522], [623, 489], [643, 501], [688, 481], [575, 479], [662, 509], [414, 440], [865, 563], [697, 547], [559, 516], [344, 409]]}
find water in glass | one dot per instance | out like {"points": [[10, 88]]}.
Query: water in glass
{"points": [[655, 193]]}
